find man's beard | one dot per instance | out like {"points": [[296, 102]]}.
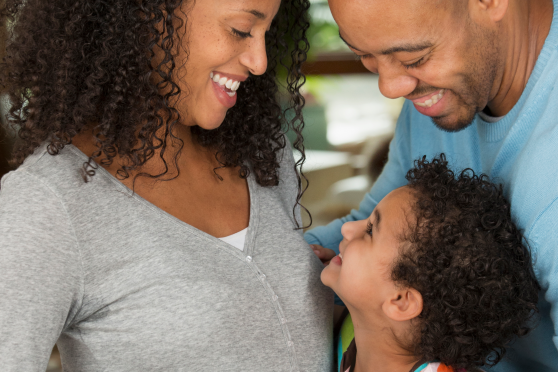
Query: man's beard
{"points": [[464, 119], [474, 91]]}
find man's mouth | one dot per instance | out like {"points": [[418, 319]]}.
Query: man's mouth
{"points": [[430, 99]]}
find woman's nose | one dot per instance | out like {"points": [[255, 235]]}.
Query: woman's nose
{"points": [[255, 56], [394, 82]]}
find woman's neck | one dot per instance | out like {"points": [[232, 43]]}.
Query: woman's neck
{"points": [[192, 153], [377, 346]]}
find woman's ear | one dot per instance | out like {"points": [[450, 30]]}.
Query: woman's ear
{"points": [[403, 304]]}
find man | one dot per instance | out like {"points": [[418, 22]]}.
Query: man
{"points": [[479, 79]]}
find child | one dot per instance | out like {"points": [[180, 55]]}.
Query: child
{"points": [[437, 278]]}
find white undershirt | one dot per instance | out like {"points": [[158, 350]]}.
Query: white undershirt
{"points": [[488, 118], [236, 239]]}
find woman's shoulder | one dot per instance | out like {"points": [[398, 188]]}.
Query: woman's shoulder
{"points": [[56, 175], [69, 160]]}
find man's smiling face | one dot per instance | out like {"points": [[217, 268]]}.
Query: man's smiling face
{"points": [[431, 52]]}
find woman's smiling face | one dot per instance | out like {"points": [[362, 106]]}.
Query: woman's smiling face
{"points": [[360, 275], [225, 41]]}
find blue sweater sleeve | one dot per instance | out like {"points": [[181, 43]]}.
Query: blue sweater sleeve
{"points": [[392, 177]]}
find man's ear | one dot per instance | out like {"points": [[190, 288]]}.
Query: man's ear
{"points": [[403, 304], [494, 9]]}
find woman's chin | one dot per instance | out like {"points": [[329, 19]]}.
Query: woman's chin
{"points": [[211, 123]]}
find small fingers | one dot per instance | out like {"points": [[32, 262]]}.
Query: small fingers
{"points": [[324, 254]]}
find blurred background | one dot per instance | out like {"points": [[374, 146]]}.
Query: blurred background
{"points": [[348, 123], [348, 127]]}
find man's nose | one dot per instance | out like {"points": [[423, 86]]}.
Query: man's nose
{"points": [[394, 82], [254, 57]]}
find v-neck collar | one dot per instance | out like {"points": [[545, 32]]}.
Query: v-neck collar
{"points": [[253, 191]]}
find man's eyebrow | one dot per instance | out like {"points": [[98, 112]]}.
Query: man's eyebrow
{"points": [[410, 48], [349, 45], [377, 218]]}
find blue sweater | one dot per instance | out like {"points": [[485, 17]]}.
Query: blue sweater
{"points": [[521, 152]]}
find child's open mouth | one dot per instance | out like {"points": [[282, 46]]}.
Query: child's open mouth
{"points": [[338, 260]]}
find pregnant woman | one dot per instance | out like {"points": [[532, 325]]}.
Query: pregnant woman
{"points": [[152, 222]]}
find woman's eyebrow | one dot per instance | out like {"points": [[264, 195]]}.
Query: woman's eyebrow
{"points": [[254, 12]]}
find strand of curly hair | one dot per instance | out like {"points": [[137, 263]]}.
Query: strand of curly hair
{"points": [[71, 63]]}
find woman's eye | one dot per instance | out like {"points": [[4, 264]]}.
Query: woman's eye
{"points": [[414, 64], [240, 34], [369, 227]]}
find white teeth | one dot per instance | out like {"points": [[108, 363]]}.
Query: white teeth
{"points": [[231, 94], [226, 82], [432, 101]]}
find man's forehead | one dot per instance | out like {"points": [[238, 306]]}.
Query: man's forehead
{"points": [[363, 23], [412, 6]]}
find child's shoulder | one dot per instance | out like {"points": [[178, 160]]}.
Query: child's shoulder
{"points": [[440, 367]]}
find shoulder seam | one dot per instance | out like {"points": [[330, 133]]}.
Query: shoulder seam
{"points": [[540, 215], [533, 226], [35, 161], [44, 184]]}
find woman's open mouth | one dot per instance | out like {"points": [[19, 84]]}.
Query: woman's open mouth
{"points": [[229, 86], [225, 88]]}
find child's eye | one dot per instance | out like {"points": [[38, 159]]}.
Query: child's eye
{"points": [[240, 34], [369, 228]]}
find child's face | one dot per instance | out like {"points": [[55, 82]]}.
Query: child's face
{"points": [[360, 274]]}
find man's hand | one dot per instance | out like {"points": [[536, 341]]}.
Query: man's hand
{"points": [[324, 254]]}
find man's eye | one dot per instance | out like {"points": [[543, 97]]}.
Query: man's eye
{"points": [[414, 64], [369, 227], [240, 34], [359, 58]]}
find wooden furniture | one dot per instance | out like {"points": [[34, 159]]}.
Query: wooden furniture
{"points": [[334, 63]]}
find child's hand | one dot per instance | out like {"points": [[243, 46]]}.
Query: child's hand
{"points": [[324, 254]]}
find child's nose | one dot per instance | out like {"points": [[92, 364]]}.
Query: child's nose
{"points": [[349, 230]]}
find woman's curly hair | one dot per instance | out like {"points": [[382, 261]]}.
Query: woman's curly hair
{"points": [[468, 260], [71, 63]]}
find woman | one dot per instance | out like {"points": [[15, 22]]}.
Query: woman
{"points": [[150, 130]]}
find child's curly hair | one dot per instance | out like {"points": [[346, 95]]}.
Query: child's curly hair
{"points": [[468, 260]]}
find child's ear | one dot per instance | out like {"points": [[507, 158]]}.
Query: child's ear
{"points": [[403, 304]]}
